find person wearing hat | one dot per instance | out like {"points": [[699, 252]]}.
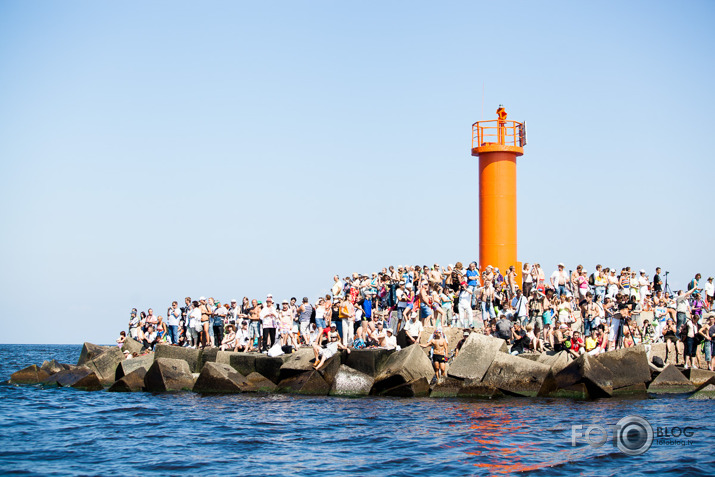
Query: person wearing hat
{"points": [[330, 350], [461, 342], [219, 321], [233, 312], [559, 280], [242, 338], [269, 317], [133, 324], [413, 328], [285, 325], [643, 283], [229, 341], [390, 339], [560, 336]]}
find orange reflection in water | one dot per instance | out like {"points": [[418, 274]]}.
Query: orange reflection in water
{"points": [[494, 430]]}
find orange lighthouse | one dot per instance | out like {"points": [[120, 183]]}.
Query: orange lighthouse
{"points": [[498, 143]]}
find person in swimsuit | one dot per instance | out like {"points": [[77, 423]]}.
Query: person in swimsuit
{"points": [[439, 354]]}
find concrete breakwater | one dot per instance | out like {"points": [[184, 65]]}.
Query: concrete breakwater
{"points": [[482, 369]]}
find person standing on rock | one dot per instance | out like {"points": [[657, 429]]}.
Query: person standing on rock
{"points": [[285, 319], [472, 275], [172, 320], [440, 354], [559, 280], [464, 306], [133, 324], [305, 310], [269, 317], [206, 313], [194, 326]]}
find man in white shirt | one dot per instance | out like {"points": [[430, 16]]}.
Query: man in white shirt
{"points": [[337, 287], [242, 338], [150, 338], [233, 312], [709, 292], [521, 310], [643, 285], [269, 318], [172, 321], [413, 328]]}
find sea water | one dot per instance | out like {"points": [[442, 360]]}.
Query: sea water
{"points": [[63, 431]]}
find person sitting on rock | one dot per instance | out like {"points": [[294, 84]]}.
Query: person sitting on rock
{"points": [[439, 354], [535, 344], [519, 339], [560, 336], [229, 341], [380, 334], [504, 327], [390, 340], [243, 339], [461, 342], [122, 337], [330, 350], [576, 348], [413, 328], [150, 338]]}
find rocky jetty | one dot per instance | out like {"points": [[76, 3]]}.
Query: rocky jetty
{"points": [[483, 368]]}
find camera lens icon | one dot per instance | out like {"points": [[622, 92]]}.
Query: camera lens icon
{"points": [[634, 435]]}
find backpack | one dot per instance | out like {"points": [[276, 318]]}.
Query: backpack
{"points": [[683, 331], [591, 280]]}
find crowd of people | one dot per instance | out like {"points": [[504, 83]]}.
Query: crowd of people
{"points": [[571, 311]]}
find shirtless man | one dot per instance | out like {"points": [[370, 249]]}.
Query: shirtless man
{"points": [[511, 281], [435, 277], [439, 354]]}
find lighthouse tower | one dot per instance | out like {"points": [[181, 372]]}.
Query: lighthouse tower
{"points": [[497, 143]]}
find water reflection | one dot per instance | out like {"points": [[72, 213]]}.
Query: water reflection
{"points": [[505, 439]]}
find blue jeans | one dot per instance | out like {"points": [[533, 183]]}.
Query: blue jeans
{"points": [[708, 351], [473, 288], [338, 326], [320, 323], [174, 334], [254, 329], [488, 311], [587, 326], [601, 291], [560, 290]]}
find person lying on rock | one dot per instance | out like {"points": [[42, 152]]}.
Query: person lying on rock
{"points": [[439, 354], [330, 350]]}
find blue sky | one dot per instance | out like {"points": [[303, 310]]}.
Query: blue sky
{"points": [[154, 150]]}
